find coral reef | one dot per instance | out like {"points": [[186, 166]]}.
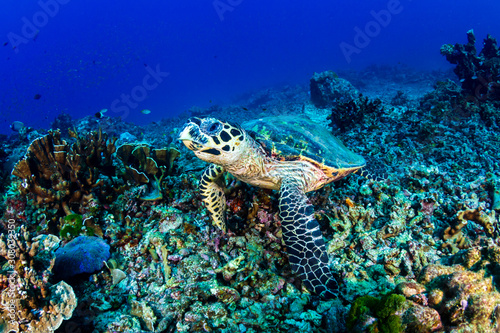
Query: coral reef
{"points": [[478, 73], [30, 302], [63, 122], [63, 176], [416, 251], [376, 315], [328, 89], [145, 165], [84, 254], [356, 111]]}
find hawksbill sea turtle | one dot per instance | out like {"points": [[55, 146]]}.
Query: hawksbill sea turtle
{"points": [[290, 154]]}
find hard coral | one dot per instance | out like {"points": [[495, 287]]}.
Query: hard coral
{"points": [[464, 299], [352, 112], [64, 176], [38, 306], [478, 74], [144, 165], [453, 235]]}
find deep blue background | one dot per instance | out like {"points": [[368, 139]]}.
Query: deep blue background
{"points": [[91, 52]]}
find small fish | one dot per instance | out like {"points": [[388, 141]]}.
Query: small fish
{"points": [[16, 126], [146, 111], [245, 109], [264, 109], [37, 96], [101, 113], [474, 77], [462, 80], [6, 43]]}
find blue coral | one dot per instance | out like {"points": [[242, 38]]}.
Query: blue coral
{"points": [[84, 254]]}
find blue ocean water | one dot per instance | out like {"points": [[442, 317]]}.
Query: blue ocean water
{"points": [[80, 57]]}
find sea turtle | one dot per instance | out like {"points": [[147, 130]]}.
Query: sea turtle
{"points": [[286, 153]]}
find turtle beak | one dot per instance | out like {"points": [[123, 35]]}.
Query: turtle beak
{"points": [[187, 137], [185, 133]]}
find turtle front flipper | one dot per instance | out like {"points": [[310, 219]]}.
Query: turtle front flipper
{"points": [[304, 241], [212, 193]]}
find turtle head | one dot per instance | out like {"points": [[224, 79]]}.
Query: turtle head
{"points": [[213, 140]]}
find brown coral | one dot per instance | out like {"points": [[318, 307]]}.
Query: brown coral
{"points": [[64, 175], [144, 165], [35, 303], [463, 298]]}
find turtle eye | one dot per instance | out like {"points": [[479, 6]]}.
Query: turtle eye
{"points": [[214, 128]]}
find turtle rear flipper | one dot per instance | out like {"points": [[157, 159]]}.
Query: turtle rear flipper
{"points": [[304, 241], [212, 194]]}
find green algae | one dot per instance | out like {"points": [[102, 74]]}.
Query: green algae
{"points": [[383, 309], [72, 227]]}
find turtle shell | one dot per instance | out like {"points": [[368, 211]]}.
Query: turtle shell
{"points": [[296, 137]]}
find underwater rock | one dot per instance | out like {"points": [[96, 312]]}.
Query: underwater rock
{"points": [[144, 312], [127, 137], [478, 73], [327, 90], [463, 298], [116, 321], [421, 319], [84, 254], [63, 122], [353, 112]]}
